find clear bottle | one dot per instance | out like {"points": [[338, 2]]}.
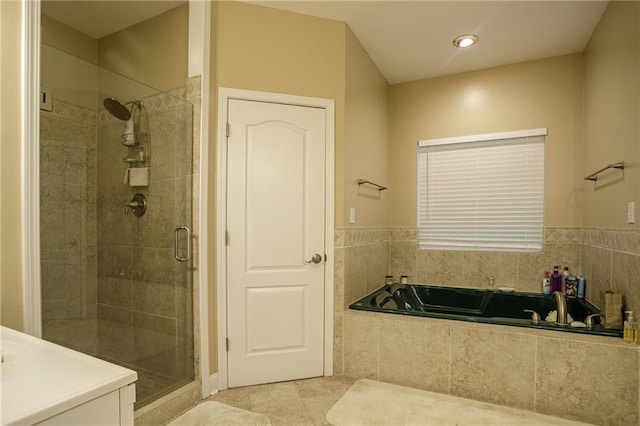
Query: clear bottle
{"points": [[563, 280], [630, 334], [555, 280], [546, 284], [581, 287]]}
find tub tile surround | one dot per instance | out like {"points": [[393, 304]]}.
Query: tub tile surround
{"points": [[402, 341], [611, 262], [493, 367], [608, 258], [569, 381], [586, 378], [372, 253], [364, 265], [528, 369], [522, 271]]}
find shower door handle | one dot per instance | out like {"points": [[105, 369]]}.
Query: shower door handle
{"points": [[176, 243]]}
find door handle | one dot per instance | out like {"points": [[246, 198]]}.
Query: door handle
{"points": [[176, 243], [316, 258]]}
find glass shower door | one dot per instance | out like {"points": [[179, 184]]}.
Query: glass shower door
{"points": [[126, 293]]}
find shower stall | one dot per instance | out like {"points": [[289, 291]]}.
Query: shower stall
{"points": [[116, 197]]}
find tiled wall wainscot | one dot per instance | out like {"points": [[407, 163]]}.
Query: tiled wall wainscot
{"points": [[522, 271], [586, 378], [611, 261], [360, 265]]}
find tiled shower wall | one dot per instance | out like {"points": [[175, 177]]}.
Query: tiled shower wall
{"points": [[144, 295], [68, 212], [110, 284]]}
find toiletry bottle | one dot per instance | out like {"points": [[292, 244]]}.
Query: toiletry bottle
{"points": [[630, 334], [581, 287], [563, 280], [555, 280], [546, 284]]}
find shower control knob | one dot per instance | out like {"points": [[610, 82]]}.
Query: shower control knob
{"points": [[138, 205]]}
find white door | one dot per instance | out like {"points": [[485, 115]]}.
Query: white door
{"points": [[275, 225]]}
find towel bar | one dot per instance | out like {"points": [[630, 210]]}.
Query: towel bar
{"points": [[364, 181], [594, 176]]}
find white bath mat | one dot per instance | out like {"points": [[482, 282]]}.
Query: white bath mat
{"points": [[369, 403], [213, 413]]}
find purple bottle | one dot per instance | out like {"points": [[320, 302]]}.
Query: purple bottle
{"points": [[555, 280], [563, 280]]}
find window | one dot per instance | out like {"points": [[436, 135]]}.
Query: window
{"points": [[482, 192]]}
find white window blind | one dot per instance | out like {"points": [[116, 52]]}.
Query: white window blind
{"points": [[483, 192]]}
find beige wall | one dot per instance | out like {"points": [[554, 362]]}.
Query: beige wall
{"points": [[612, 116], [272, 50], [10, 163], [63, 37], [153, 52], [72, 78], [544, 93], [366, 138]]}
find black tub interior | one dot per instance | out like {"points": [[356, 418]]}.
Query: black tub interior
{"points": [[476, 305]]}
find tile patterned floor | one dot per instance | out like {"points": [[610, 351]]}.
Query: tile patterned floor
{"points": [[300, 402]]}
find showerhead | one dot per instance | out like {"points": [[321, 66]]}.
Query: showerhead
{"points": [[116, 109]]}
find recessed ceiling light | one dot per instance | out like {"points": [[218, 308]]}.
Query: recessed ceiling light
{"points": [[465, 40]]}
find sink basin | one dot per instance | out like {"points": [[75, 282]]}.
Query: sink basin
{"points": [[16, 357]]}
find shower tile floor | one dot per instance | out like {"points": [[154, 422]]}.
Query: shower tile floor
{"points": [[81, 335], [149, 386], [300, 402]]}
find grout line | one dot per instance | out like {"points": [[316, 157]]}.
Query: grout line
{"points": [[379, 326], [611, 269], [450, 357], [535, 373], [517, 283]]}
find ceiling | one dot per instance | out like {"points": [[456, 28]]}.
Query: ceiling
{"points": [[407, 40]]}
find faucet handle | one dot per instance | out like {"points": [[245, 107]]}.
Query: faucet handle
{"points": [[535, 318], [589, 320]]}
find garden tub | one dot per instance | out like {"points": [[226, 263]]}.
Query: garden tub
{"points": [[503, 307]]}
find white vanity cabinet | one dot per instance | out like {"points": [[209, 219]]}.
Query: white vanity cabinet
{"points": [[108, 410], [46, 384]]}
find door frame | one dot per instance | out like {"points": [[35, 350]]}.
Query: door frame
{"points": [[224, 95]]}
